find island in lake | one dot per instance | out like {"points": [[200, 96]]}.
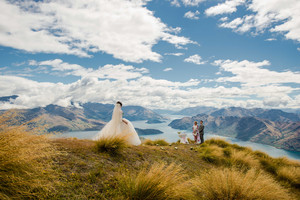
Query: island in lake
{"points": [[148, 131], [154, 121]]}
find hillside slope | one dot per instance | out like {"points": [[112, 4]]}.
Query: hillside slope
{"points": [[90, 174], [37, 167], [285, 135]]}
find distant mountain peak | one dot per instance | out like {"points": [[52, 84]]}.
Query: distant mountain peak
{"points": [[8, 98]]}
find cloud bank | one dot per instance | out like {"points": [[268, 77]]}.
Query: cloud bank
{"points": [[264, 15], [125, 29], [240, 83]]}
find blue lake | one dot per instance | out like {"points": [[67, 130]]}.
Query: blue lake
{"points": [[171, 135]]}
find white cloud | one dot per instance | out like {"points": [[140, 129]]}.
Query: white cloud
{"points": [[32, 62], [168, 69], [259, 87], [175, 3], [228, 6], [76, 27], [223, 19], [192, 2], [271, 15], [196, 59], [270, 39], [119, 72], [233, 24], [255, 80], [253, 74], [144, 91], [175, 30], [192, 15], [298, 48], [174, 54], [176, 40]]}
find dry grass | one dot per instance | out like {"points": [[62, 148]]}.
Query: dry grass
{"points": [[157, 142], [160, 182], [218, 142], [26, 169], [243, 160], [260, 154], [26, 165], [291, 174], [232, 184], [112, 145], [212, 153]]}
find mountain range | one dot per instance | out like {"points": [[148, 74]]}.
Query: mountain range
{"points": [[273, 127], [90, 116], [268, 126]]}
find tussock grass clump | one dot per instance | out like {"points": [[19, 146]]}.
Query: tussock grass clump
{"points": [[112, 145], [244, 160], [290, 174], [211, 154], [268, 165], [158, 142], [238, 147], [232, 184], [160, 182], [227, 152], [283, 161], [148, 142], [219, 142], [26, 162], [261, 154]]}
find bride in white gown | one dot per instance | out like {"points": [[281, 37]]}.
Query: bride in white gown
{"points": [[119, 127]]}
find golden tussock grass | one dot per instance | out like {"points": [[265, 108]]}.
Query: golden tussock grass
{"points": [[283, 161], [112, 145], [218, 142], [160, 182], [243, 160], [211, 153], [158, 142], [232, 184], [26, 161], [291, 174]]}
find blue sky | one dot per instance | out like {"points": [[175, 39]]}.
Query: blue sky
{"points": [[167, 54]]}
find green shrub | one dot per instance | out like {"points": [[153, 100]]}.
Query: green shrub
{"points": [[111, 145], [160, 182]]}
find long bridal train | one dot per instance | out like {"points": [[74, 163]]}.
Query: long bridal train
{"points": [[119, 127]]}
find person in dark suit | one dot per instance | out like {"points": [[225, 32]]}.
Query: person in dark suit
{"points": [[201, 131]]}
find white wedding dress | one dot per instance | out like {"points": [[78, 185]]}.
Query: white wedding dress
{"points": [[116, 127]]}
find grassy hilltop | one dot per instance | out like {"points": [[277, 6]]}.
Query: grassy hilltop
{"points": [[36, 167]]}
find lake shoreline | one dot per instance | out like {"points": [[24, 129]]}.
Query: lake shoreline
{"points": [[171, 135]]}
